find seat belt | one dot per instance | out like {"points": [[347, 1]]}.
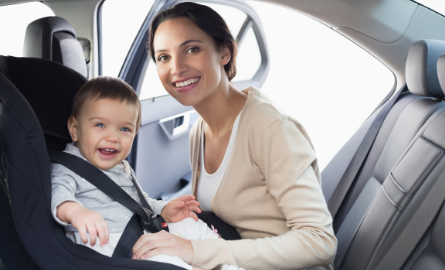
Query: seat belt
{"points": [[148, 220], [360, 155], [421, 220]]}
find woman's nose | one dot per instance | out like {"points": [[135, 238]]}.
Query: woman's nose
{"points": [[178, 66]]}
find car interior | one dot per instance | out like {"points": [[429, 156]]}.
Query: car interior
{"points": [[385, 188]]}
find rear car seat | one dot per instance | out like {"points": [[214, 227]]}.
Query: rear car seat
{"points": [[53, 38], [404, 121], [35, 103]]}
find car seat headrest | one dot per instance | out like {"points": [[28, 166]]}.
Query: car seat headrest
{"points": [[54, 39], [421, 68], [441, 71], [49, 88]]}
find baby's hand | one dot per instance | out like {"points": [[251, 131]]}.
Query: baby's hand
{"points": [[181, 208], [84, 220]]}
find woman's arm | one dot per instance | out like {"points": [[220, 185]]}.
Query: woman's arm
{"points": [[288, 164], [286, 161]]}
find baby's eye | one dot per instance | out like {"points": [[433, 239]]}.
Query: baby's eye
{"points": [[99, 125], [193, 50], [125, 129]]}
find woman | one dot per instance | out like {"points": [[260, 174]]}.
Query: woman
{"points": [[253, 166]]}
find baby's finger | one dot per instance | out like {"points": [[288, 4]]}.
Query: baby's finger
{"points": [[107, 232], [185, 198], [194, 208], [193, 215], [192, 202], [101, 233], [93, 234], [83, 234]]}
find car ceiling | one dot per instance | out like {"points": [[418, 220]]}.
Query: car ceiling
{"points": [[384, 28]]}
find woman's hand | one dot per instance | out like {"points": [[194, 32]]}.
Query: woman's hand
{"points": [[163, 242], [181, 208]]}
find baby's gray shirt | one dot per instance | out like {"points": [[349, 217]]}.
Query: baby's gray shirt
{"points": [[68, 186]]}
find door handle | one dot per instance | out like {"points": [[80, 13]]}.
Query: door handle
{"points": [[178, 125]]}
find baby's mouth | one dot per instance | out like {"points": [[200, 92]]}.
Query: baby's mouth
{"points": [[107, 151]]}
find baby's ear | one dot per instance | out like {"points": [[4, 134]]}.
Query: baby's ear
{"points": [[73, 128]]}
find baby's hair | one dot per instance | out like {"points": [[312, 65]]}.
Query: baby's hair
{"points": [[105, 87]]}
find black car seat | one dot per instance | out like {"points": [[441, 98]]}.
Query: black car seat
{"points": [[403, 122], [53, 38], [35, 102]]}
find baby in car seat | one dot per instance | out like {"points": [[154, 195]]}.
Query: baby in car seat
{"points": [[105, 119]]}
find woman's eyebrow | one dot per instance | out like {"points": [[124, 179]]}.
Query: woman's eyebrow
{"points": [[188, 41], [182, 44]]}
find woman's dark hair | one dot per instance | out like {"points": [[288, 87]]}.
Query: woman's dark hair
{"points": [[207, 20]]}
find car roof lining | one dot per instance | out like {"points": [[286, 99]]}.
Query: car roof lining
{"points": [[371, 24]]}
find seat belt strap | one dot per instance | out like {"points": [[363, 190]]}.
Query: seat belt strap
{"points": [[129, 237], [421, 220], [360, 155], [100, 180]]}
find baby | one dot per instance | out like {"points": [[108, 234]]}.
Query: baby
{"points": [[105, 118]]}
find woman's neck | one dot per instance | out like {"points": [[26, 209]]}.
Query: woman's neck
{"points": [[220, 110]]}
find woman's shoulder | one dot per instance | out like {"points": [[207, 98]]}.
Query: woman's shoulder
{"points": [[262, 112]]}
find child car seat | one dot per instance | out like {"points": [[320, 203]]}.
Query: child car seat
{"points": [[35, 102]]}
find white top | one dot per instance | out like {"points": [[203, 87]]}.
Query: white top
{"points": [[208, 184]]}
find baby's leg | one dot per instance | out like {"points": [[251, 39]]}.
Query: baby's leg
{"points": [[192, 230], [171, 260]]}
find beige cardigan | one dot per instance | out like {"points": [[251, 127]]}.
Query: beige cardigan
{"points": [[270, 193]]}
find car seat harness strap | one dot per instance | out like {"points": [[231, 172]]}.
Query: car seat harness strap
{"points": [[147, 220]]}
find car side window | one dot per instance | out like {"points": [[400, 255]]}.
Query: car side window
{"points": [[121, 21], [14, 20], [248, 58], [320, 78]]}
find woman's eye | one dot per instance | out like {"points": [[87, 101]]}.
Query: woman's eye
{"points": [[100, 125], [162, 58], [193, 50]]}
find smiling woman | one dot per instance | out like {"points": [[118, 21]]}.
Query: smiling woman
{"points": [[245, 154]]}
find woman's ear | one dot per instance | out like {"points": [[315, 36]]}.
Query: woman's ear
{"points": [[225, 55], [73, 128]]}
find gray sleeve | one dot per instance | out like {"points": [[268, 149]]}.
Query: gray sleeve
{"points": [[156, 205], [63, 189]]}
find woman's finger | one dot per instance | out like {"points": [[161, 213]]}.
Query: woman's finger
{"points": [[150, 246], [157, 251], [145, 239]]}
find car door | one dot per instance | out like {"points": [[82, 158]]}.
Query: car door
{"points": [[160, 154]]}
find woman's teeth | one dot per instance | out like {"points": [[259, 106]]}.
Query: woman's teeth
{"points": [[185, 83]]}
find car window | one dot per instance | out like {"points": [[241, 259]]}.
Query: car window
{"points": [[121, 21], [14, 20], [320, 78], [436, 5], [248, 59]]}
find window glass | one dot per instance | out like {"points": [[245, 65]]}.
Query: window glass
{"points": [[320, 78], [121, 21], [248, 59], [436, 5], [14, 20]]}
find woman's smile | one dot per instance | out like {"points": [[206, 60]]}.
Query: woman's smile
{"points": [[186, 84]]}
